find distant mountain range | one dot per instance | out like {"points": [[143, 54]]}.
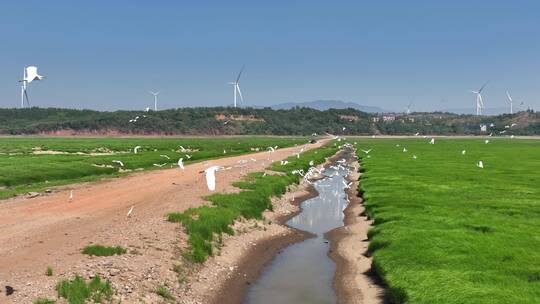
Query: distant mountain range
{"points": [[323, 105]]}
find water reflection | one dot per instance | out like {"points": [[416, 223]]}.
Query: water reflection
{"points": [[303, 272]]}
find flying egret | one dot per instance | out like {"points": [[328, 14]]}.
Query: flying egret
{"points": [[165, 156], [211, 177], [181, 163], [130, 211], [463, 152], [404, 149], [486, 141], [480, 164], [432, 141], [188, 156], [417, 133], [136, 149], [414, 156], [182, 149], [160, 165], [366, 151], [311, 163], [118, 162]]}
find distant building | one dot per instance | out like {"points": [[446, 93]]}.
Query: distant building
{"points": [[384, 117], [389, 117], [348, 117]]}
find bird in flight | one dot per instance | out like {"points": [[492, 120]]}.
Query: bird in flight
{"points": [[210, 174]]}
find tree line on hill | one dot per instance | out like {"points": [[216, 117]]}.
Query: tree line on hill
{"points": [[255, 121]]}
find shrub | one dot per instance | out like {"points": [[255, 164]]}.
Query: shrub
{"points": [[100, 250], [78, 291]]}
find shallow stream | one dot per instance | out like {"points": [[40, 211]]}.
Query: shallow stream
{"points": [[303, 272]]}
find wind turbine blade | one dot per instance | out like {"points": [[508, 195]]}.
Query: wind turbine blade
{"points": [[239, 74], [239, 92], [27, 100], [481, 88], [508, 95]]}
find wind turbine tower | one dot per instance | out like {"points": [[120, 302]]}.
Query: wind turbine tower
{"points": [[409, 108], [29, 74], [479, 100], [155, 99], [511, 102], [236, 87]]}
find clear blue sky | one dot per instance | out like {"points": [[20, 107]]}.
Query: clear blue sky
{"points": [[107, 54]]}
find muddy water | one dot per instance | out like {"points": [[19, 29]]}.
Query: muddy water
{"points": [[303, 272]]}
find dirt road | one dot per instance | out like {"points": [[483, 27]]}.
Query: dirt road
{"points": [[51, 230]]}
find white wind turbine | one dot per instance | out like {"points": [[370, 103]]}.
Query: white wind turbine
{"points": [[511, 102], [479, 101], [155, 99], [29, 74], [236, 87]]}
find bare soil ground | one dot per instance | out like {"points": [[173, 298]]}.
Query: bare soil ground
{"points": [[50, 231]]}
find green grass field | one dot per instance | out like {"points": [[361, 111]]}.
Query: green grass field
{"points": [[447, 231], [23, 170]]}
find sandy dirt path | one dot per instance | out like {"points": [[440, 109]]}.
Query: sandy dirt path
{"points": [[50, 230]]}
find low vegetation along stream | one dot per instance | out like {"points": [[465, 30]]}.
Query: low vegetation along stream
{"points": [[303, 272]]}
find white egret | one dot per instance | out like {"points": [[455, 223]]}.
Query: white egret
{"points": [[136, 149], [480, 164], [130, 211], [181, 163], [211, 177], [432, 141], [118, 162]]}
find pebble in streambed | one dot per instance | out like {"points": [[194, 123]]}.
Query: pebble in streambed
{"points": [[303, 272]]}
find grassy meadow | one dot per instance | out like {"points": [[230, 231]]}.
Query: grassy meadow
{"points": [[447, 231], [36, 163]]}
